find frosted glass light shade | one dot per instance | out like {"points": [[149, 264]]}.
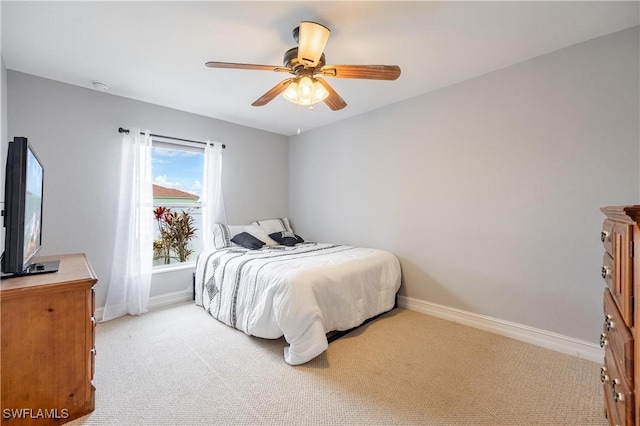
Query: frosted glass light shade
{"points": [[313, 39], [305, 90]]}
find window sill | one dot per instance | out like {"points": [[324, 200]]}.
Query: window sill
{"points": [[173, 268]]}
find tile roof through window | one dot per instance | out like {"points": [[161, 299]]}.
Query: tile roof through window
{"points": [[164, 192]]}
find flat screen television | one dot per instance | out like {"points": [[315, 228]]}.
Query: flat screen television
{"points": [[24, 183]]}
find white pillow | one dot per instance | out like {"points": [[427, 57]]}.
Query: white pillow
{"points": [[258, 232], [222, 234], [274, 225]]}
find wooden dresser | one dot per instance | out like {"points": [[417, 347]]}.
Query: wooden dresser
{"points": [[48, 353], [621, 273]]}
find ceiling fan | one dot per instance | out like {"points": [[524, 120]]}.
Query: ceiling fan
{"points": [[307, 64]]}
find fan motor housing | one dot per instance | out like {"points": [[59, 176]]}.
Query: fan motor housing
{"points": [[291, 60]]}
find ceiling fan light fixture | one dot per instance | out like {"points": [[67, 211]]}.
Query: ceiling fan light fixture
{"points": [[313, 39], [291, 92], [320, 92], [305, 90]]}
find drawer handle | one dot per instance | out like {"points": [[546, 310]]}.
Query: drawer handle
{"points": [[605, 271], [608, 323], [603, 236], [617, 396], [604, 378], [603, 340]]}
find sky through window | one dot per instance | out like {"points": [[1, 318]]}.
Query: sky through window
{"points": [[178, 168]]}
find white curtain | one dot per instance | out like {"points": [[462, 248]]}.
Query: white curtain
{"points": [[133, 253], [212, 199]]}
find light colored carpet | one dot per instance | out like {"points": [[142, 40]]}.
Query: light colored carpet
{"points": [[178, 365]]}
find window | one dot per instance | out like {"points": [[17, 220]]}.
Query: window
{"points": [[177, 173]]}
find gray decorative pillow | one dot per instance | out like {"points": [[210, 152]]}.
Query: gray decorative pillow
{"points": [[285, 240], [248, 241]]}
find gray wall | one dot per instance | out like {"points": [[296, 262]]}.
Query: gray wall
{"points": [[3, 137], [3, 112], [488, 190], [74, 131], [3, 107], [3, 128]]}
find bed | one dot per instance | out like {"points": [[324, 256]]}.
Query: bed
{"points": [[290, 287]]}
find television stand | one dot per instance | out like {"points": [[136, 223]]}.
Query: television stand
{"points": [[35, 268], [47, 336]]}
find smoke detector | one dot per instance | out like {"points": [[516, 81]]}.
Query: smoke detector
{"points": [[98, 85]]}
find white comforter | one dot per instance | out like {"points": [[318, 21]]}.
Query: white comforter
{"points": [[301, 292]]}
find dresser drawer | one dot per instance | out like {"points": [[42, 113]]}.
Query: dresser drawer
{"points": [[617, 266], [606, 236], [611, 413], [616, 338], [619, 396], [608, 273]]}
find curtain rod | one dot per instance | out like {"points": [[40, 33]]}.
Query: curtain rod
{"points": [[126, 131]]}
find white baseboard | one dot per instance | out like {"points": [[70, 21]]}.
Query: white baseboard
{"points": [[170, 299], [160, 301], [546, 339]]}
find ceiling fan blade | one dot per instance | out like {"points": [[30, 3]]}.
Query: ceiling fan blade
{"points": [[272, 93], [231, 65], [371, 72], [312, 38], [333, 101]]}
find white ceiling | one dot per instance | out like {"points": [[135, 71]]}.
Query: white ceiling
{"points": [[155, 51]]}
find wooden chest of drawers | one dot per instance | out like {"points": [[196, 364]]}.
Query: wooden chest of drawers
{"points": [[48, 346], [621, 274]]}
